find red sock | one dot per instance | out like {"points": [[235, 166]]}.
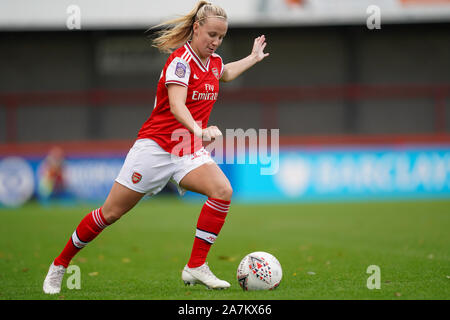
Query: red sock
{"points": [[210, 221], [87, 230]]}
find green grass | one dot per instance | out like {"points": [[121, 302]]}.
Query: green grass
{"points": [[142, 255]]}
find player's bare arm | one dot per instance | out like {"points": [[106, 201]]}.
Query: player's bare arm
{"points": [[235, 69], [177, 98]]}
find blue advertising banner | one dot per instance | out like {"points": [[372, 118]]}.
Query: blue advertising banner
{"points": [[300, 175], [91, 179], [78, 179], [347, 174]]}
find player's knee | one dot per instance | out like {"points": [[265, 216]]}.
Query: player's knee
{"points": [[224, 192], [112, 214]]}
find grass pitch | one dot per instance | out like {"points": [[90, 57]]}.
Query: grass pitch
{"points": [[324, 249]]}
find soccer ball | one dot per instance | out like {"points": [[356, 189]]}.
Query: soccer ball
{"points": [[259, 271]]}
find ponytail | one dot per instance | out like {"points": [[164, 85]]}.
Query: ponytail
{"points": [[178, 31]]}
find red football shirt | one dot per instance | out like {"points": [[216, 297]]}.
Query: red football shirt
{"points": [[183, 67]]}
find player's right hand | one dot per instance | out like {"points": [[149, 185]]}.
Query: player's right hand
{"points": [[210, 133]]}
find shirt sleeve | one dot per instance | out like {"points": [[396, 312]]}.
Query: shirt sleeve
{"points": [[178, 72], [222, 66]]}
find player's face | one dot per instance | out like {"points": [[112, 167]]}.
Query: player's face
{"points": [[208, 37]]}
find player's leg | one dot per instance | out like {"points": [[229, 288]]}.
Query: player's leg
{"points": [[209, 180], [119, 201]]}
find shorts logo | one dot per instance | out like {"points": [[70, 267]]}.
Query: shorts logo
{"points": [[180, 70], [136, 177], [215, 72], [199, 153]]}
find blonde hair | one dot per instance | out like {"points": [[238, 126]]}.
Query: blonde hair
{"points": [[178, 31]]}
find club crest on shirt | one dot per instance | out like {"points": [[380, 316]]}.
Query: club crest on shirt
{"points": [[136, 177], [180, 70], [215, 72]]}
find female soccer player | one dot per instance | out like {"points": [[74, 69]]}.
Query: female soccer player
{"points": [[186, 92]]}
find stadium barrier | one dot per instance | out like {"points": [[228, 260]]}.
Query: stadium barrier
{"points": [[340, 169]]}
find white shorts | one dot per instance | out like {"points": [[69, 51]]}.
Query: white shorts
{"points": [[148, 168]]}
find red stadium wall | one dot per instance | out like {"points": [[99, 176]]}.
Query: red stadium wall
{"points": [[269, 100]]}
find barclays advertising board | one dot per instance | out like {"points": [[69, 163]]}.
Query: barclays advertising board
{"points": [[299, 175], [337, 174]]}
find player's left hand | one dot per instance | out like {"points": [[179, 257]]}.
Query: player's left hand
{"points": [[258, 48]]}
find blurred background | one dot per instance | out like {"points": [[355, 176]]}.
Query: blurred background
{"points": [[359, 90]]}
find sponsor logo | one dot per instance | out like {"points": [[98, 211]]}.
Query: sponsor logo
{"points": [[16, 181], [204, 95], [136, 177], [206, 236], [208, 95]]}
